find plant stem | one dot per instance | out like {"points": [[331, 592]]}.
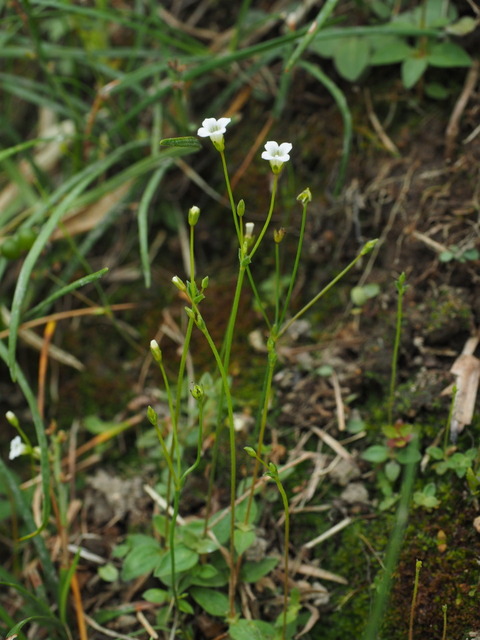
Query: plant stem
{"points": [[295, 265], [233, 460], [366, 249], [418, 566], [401, 288]]}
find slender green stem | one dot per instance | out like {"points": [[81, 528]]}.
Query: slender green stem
{"points": [[233, 460], [393, 549], [366, 249], [418, 566], [238, 228], [272, 472], [286, 511], [191, 469], [401, 288], [295, 265], [269, 216], [226, 352], [258, 298], [277, 284], [444, 611], [272, 359]]}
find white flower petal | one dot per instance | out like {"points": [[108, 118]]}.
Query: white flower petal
{"points": [[17, 448], [213, 128]]}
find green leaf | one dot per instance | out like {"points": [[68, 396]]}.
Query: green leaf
{"points": [[251, 630], [185, 141], [352, 57], [222, 529], [388, 50], [409, 454], [437, 91], [213, 602], [412, 70], [377, 453], [448, 54], [108, 572], [435, 452], [241, 512], [392, 470], [253, 571], [465, 25], [243, 539], [142, 559], [157, 596], [185, 559]]}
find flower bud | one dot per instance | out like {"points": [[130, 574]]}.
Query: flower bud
{"points": [[249, 227], [279, 234], [197, 391], [156, 351], [205, 282], [193, 215], [152, 416], [12, 419], [179, 284], [305, 197], [250, 451], [241, 208]]}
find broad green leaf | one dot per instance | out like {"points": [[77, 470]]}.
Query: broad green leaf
{"points": [[465, 25], [376, 453], [108, 572], [185, 559], [213, 602], [251, 630], [388, 50], [241, 512], [392, 470], [242, 540], [412, 70], [436, 91], [142, 559], [222, 529], [448, 54], [253, 571], [352, 58], [157, 596]]}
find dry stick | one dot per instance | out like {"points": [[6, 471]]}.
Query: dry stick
{"points": [[42, 366], [453, 127]]}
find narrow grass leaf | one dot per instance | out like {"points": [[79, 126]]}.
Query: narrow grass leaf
{"points": [[44, 472], [143, 221], [81, 282]]}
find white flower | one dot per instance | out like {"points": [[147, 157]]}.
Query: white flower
{"points": [[17, 448], [214, 129], [249, 226], [277, 154]]}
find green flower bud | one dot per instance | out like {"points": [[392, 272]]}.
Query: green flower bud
{"points": [[305, 197], [152, 416], [12, 419], [241, 208], [250, 451], [368, 247], [197, 391], [193, 216], [279, 234], [156, 351], [179, 284], [204, 283]]}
